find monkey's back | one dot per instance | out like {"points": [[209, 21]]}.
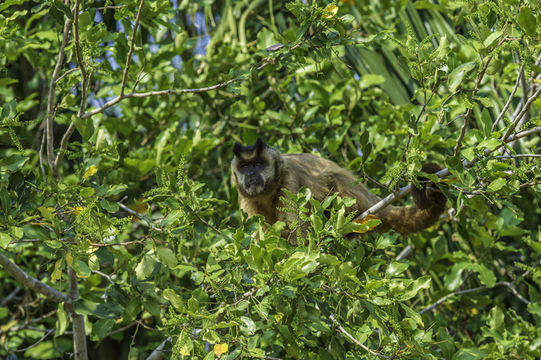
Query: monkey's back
{"points": [[323, 177]]}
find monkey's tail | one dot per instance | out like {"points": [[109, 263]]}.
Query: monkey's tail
{"points": [[429, 205]]}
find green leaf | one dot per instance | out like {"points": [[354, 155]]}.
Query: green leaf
{"points": [[368, 80], [396, 268], [12, 162], [492, 38], [5, 239], [167, 257], [527, 21], [249, 327], [489, 144], [456, 77], [8, 3], [64, 8], [102, 327], [453, 279], [535, 308], [174, 299], [486, 275], [469, 354], [110, 206], [172, 217], [106, 190], [145, 267], [298, 265], [497, 184], [102, 311], [61, 320]]}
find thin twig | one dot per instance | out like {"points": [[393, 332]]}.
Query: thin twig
{"points": [[479, 288], [10, 296], [63, 146], [77, 44], [458, 292], [104, 275], [41, 160], [517, 156], [155, 93], [139, 216], [52, 87], [523, 133], [130, 52], [508, 103], [49, 332], [66, 74], [349, 336], [126, 243], [524, 110], [469, 111]]}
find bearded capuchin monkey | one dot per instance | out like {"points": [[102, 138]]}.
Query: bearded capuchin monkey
{"points": [[261, 172]]}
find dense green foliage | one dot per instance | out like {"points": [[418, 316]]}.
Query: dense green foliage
{"points": [[139, 202]]}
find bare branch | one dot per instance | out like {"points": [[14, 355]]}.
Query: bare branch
{"points": [[10, 296], [355, 341], [139, 216], [443, 299], [524, 133], [49, 332], [41, 160], [126, 243], [130, 52], [76, 34], [30, 282], [506, 106], [479, 288], [66, 74], [63, 145], [155, 93], [523, 112], [517, 156], [469, 111], [52, 87]]}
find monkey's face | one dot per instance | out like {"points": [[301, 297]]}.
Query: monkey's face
{"points": [[254, 169], [252, 174]]}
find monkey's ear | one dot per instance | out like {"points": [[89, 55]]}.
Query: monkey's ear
{"points": [[237, 149], [259, 145]]}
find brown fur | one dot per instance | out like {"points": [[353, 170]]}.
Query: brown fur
{"points": [[324, 177]]}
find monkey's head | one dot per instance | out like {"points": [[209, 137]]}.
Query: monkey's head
{"points": [[256, 169]]}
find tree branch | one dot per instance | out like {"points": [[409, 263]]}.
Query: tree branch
{"points": [[469, 111], [130, 52], [524, 110], [52, 87], [517, 156], [355, 341], [508, 103], [78, 54], [479, 288], [78, 321], [32, 283], [155, 93], [137, 215]]}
